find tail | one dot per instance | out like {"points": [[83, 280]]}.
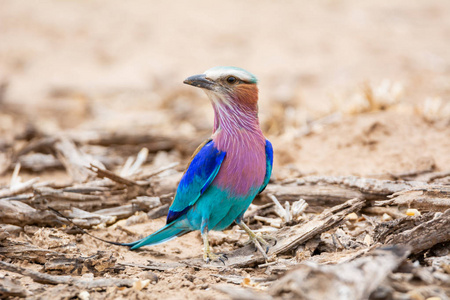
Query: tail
{"points": [[170, 231]]}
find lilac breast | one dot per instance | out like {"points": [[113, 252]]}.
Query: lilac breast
{"points": [[244, 166]]}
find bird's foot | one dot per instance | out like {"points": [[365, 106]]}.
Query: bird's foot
{"points": [[262, 243], [209, 256]]}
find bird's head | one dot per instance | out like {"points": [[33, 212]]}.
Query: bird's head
{"points": [[227, 85]]}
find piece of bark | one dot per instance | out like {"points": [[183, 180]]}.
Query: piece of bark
{"points": [[54, 279], [145, 203], [159, 212], [38, 162], [124, 211], [426, 198], [86, 219], [7, 229], [352, 280], [10, 289], [295, 235], [433, 176], [88, 197], [154, 266], [103, 173], [26, 252], [156, 172], [120, 212], [239, 279], [371, 188], [75, 161], [318, 197], [20, 214], [326, 191], [428, 231], [123, 138], [390, 228], [97, 264], [40, 145], [18, 188]]}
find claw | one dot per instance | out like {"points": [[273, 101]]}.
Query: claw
{"points": [[209, 257], [257, 240]]}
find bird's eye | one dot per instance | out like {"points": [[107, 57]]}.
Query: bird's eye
{"points": [[231, 79]]}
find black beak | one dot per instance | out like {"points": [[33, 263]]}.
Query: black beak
{"points": [[200, 81]]}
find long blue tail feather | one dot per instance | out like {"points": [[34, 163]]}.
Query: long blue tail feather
{"points": [[168, 232]]}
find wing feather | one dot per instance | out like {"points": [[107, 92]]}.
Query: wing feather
{"points": [[269, 164], [201, 171]]}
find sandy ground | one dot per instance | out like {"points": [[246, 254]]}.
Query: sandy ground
{"points": [[346, 87]]}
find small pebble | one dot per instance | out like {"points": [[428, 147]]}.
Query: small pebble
{"points": [[368, 240], [413, 212], [352, 217], [386, 217], [140, 284], [84, 295]]}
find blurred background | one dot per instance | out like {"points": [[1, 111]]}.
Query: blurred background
{"points": [[346, 87]]}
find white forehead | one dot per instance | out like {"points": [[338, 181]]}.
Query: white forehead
{"points": [[220, 72]]}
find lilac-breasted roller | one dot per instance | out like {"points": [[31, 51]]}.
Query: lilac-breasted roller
{"points": [[227, 171]]}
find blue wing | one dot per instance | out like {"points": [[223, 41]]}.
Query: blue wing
{"points": [[202, 170], [269, 164]]}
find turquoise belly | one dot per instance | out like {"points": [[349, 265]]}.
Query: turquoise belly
{"points": [[217, 209]]}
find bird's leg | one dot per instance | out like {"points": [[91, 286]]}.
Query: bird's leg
{"points": [[259, 241], [208, 255]]}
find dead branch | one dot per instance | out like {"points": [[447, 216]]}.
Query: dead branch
{"points": [[38, 162], [351, 280], [103, 173], [295, 235], [369, 187], [420, 233], [86, 219], [428, 198], [20, 214], [45, 144], [53, 279], [18, 188], [10, 289], [326, 191], [317, 197], [26, 252], [139, 204], [356, 279], [97, 264], [74, 160], [157, 172]]}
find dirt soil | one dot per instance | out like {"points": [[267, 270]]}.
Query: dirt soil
{"points": [[346, 88]]}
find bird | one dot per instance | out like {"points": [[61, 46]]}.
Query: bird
{"points": [[227, 171]]}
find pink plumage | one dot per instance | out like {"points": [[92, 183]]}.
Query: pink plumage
{"points": [[237, 132]]}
